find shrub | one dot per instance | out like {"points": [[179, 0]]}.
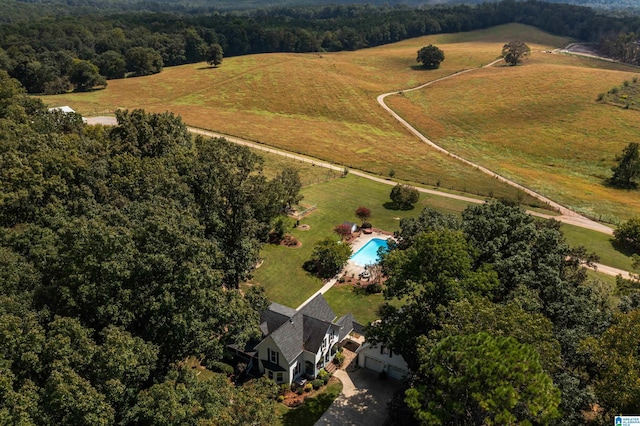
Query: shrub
{"points": [[366, 225], [299, 391], [221, 367], [338, 359], [600, 96], [283, 389], [322, 374], [374, 288], [308, 387], [317, 384], [280, 398]]}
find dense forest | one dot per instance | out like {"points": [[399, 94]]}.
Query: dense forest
{"points": [[503, 325], [54, 55], [121, 251]]}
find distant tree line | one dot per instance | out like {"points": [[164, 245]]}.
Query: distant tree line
{"points": [[121, 253], [41, 53]]}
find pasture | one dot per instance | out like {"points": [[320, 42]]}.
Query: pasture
{"points": [[323, 105], [538, 124]]}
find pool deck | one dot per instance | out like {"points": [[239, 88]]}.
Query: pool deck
{"points": [[357, 244], [351, 267]]}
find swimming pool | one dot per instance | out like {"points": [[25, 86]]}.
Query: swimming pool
{"points": [[368, 254]]}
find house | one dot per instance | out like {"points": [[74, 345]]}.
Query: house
{"points": [[351, 225], [379, 358], [295, 343]]}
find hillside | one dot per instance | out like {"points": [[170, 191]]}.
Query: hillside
{"points": [[324, 105]]}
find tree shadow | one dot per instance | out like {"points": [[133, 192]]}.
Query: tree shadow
{"points": [[390, 205], [208, 67], [622, 248]]}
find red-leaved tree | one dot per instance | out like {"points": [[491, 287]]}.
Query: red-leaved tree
{"points": [[363, 213]]}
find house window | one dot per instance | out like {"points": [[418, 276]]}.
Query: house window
{"points": [[274, 357], [270, 374], [279, 377], [296, 370]]}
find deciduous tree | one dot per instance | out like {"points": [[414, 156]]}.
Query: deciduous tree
{"points": [[214, 54], [430, 56], [628, 234], [515, 52], [330, 256], [363, 213], [85, 76], [627, 170], [404, 196]]}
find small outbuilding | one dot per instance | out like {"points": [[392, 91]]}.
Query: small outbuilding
{"points": [[351, 225]]}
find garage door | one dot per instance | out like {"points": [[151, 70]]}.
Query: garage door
{"points": [[373, 364], [396, 373]]}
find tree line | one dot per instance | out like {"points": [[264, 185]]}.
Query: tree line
{"points": [[121, 254], [44, 53], [502, 324]]}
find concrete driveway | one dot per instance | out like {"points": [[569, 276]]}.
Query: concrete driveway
{"points": [[363, 400]]}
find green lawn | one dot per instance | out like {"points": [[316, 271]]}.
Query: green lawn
{"points": [[599, 243], [313, 408], [287, 283], [281, 273]]}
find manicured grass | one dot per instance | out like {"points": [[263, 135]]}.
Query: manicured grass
{"points": [[313, 408], [281, 273], [599, 243], [538, 124], [323, 105], [287, 283], [346, 299]]}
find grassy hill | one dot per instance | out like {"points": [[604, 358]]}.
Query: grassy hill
{"points": [[324, 105], [539, 124]]}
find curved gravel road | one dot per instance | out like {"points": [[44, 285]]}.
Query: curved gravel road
{"points": [[567, 215]]}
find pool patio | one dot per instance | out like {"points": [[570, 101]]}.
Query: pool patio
{"points": [[356, 244]]}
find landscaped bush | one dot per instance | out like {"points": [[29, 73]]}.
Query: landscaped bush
{"points": [[300, 390], [221, 367], [366, 225], [324, 375], [317, 384], [308, 387], [339, 358], [283, 389], [280, 398]]}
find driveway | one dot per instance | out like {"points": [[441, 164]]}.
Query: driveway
{"points": [[363, 400]]}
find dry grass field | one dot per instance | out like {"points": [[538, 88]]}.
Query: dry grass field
{"points": [[324, 105], [538, 124]]}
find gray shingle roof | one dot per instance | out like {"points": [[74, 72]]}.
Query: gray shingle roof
{"points": [[346, 325], [319, 308], [294, 331], [314, 332]]}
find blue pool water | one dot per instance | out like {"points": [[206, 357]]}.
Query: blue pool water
{"points": [[368, 254]]}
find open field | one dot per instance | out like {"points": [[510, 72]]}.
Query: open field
{"points": [[538, 124], [320, 104]]}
